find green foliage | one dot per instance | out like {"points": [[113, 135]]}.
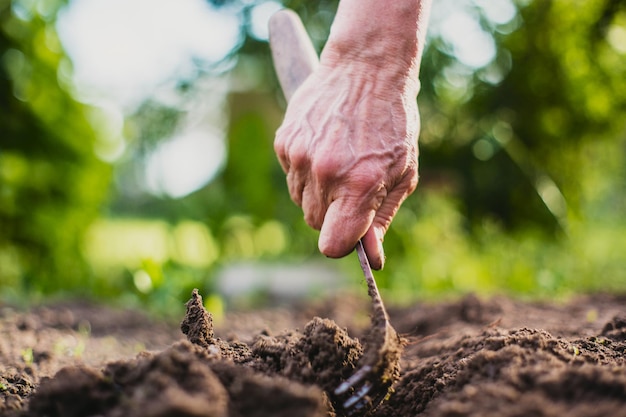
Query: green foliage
{"points": [[51, 183], [517, 147], [431, 252]]}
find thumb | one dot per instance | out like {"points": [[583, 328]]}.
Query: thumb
{"points": [[373, 244], [342, 228]]}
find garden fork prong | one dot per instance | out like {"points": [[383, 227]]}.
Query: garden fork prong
{"points": [[379, 365]]}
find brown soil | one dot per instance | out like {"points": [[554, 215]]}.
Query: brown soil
{"points": [[472, 357]]}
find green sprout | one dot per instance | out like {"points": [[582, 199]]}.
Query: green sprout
{"points": [[27, 356]]}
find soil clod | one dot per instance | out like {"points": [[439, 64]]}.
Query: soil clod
{"points": [[464, 359], [198, 323]]}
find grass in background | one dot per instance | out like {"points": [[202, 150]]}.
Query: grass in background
{"points": [[444, 258]]}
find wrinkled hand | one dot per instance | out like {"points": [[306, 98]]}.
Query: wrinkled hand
{"points": [[348, 145]]}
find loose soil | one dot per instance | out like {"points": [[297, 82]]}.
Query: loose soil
{"points": [[470, 357]]}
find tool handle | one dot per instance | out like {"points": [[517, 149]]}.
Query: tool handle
{"points": [[292, 51]]}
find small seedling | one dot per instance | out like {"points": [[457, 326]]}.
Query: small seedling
{"points": [[27, 356], [79, 349]]}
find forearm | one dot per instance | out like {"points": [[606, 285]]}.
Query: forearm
{"points": [[385, 36]]}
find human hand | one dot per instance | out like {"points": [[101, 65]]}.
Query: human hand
{"points": [[348, 145]]}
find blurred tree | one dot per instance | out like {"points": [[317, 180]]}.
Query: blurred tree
{"points": [[51, 182], [509, 140], [251, 184], [516, 142]]}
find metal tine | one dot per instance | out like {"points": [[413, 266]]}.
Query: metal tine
{"points": [[356, 377], [357, 396], [362, 402], [361, 381], [357, 407]]}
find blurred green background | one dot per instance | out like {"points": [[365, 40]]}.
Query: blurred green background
{"points": [[136, 157]]}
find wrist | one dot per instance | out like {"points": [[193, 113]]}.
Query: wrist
{"points": [[368, 74], [379, 38], [373, 64]]}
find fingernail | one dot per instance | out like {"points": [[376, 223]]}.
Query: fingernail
{"points": [[381, 250]]}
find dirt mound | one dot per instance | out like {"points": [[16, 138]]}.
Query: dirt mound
{"points": [[465, 358], [512, 373]]}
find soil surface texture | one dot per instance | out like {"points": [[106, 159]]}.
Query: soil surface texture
{"points": [[469, 357]]}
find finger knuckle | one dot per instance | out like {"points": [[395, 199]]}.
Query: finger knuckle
{"points": [[298, 156], [327, 164], [313, 220], [279, 148], [412, 179], [295, 188], [370, 181]]}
